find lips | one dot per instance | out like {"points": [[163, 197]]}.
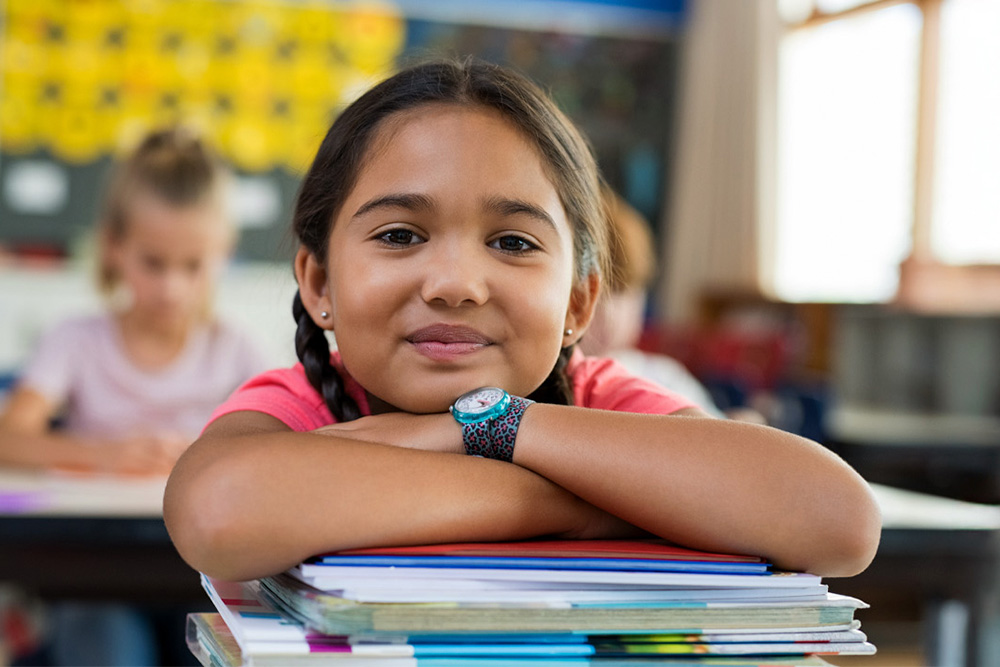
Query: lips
{"points": [[447, 342]]}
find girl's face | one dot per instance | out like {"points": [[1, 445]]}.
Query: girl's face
{"points": [[450, 265], [169, 258]]}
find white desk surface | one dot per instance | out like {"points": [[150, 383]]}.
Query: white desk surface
{"points": [[65, 494], [42, 494], [908, 509], [858, 424]]}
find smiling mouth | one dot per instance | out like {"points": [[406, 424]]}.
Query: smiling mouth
{"points": [[442, 342]]}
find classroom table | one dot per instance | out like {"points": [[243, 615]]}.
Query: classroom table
{"points": [[96, 537], [943, 556], [83, 536], [951, 455]]}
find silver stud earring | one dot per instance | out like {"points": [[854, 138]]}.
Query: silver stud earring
{"points": [[324, 314], [568, 332]]}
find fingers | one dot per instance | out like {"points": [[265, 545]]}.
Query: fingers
{"points": [[147, 455]]}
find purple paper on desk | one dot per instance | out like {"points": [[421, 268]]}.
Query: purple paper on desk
{"points": [[21, 502]]}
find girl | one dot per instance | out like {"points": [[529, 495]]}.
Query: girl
{"points": [[452, 238], [137, 382]]}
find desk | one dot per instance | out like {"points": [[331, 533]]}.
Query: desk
{"points": [[65, 535], [951, 455], [942, 555]]}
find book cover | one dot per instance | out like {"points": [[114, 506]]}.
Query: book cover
{"points": [[632, 549]]}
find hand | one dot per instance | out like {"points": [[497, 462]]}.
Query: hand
{"points": [[596, 524], [151, 454], [434, 433]]}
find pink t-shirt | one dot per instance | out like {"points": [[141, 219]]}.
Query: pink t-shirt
{"points": [[286, 394], [80, 364]]}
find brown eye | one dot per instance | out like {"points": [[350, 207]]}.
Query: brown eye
{"points": [[513, 244], [399, 237]]}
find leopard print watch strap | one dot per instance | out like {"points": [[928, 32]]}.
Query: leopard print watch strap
{"points": [[494, 438]]}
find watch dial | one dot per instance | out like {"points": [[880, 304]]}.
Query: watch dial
{"points": [[479, 401]]}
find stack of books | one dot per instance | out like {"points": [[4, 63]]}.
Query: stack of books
{"points": [[604, 602]]}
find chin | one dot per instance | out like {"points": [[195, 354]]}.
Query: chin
{"points": [[433, 397], [424, 405]]}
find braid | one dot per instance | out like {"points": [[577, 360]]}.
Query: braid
{"points": [[313, 351], [556, 388]]}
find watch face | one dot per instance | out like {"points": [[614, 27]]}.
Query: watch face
{"points": [[479, 401]]}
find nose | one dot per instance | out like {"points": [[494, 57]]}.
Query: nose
{"points": [[174, 287], [455, 275]]}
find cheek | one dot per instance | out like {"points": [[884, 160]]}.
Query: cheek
{"points": [[364, 294]]}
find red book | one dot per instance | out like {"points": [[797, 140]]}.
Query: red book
{"points": [[636, 549]]}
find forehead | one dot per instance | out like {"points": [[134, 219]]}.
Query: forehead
{"points": [[437, 144], [155, 224]]}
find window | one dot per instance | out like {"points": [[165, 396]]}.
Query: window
{"points": [[965, 227], [888, 147]]}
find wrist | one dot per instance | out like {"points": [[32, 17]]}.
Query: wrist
{"points": [[490, 418]]}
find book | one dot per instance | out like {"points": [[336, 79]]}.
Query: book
{"points": [[517, 593], [328, 576], [650, 549], [611, 602], [212, 643], [328, 613], [258, 628], [533, 563]]}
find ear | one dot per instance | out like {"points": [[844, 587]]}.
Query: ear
{"points": [[109, 248], [311, 276], [582, 302]]}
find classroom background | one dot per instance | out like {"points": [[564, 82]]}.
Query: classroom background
{"points": [[820, 177]]}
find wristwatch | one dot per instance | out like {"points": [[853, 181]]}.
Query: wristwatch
{"points": [[490, 418]]}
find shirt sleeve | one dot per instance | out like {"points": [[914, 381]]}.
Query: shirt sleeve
{"points": [[49, 369], [284, 394], [604, 384]]}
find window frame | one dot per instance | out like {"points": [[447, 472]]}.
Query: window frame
{"points": [[926, 284]]}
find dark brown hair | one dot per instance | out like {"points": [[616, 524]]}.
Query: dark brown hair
{"points": [[565, 154]]}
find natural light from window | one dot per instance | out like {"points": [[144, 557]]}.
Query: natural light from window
{"points": [[847, 106], [965, 227]]}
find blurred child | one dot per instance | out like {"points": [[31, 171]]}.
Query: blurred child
{"points": [[133, 385], [620, 313]]}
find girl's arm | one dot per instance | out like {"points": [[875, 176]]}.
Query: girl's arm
{"points": [[709, 484], [26, 441], [251, 498]]}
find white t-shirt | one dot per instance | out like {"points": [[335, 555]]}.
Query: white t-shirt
{"points": [[669, 373], [80, 365]]}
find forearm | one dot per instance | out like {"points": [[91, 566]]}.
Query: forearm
{"points": [[709, 484], [45, 450], [242, 507]]}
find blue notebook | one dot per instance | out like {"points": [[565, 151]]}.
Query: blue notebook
{"points": [[518, 563]]}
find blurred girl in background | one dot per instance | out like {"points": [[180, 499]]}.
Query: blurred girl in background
{"points": [[132, 386]]}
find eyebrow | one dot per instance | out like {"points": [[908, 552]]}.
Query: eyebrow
{"points": [[407, 201], [506, 206]]}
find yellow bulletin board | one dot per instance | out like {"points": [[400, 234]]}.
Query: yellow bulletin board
{"points": [[83, 79]]}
